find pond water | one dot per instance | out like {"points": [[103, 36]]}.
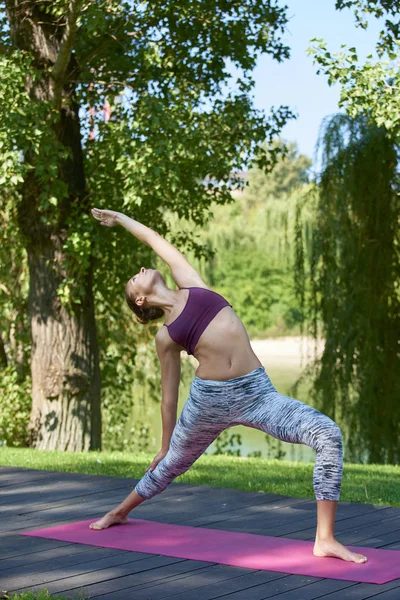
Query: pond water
{"points": [[284, 360]]}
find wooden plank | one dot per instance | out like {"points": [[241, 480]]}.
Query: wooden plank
{"points": [[352, 535], [139, 582], [51, 491], [389, 595], [201, 513], [63, 493], [31, 476], [77, 576], [62, 555], [12, 545], [318, 589], [287, 588], [160, 580], [171, 580], [252, 586], [173, 491], [287, 523], [382, 540], [94, 507], [223, 519], [362, 591], [97, 504], [393, 546], [22, 475], [103, 568]]}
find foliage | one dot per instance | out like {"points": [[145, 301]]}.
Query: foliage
{"points": [[355, 265], [15, 383], [173, 119], [228, 443], [355, 274], [290, 172], [251, 244], [372, 88], [177, 116], [15, 403]]}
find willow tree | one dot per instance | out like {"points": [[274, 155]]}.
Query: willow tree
{"points": [[355, 275], [177, 116], [355, 267]]}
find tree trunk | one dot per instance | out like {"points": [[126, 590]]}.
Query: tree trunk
{"points": [[3, 355], [65, 363], [65, 374]]}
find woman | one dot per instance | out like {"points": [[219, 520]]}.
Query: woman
{"points": [[230, 387]]}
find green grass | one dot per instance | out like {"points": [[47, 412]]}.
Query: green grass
{"points": [[375, 484], [42, 595]]}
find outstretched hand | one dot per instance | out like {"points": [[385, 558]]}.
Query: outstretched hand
{"points": [[108, 218], [158, 458]]}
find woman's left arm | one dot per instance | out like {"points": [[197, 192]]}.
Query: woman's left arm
{"points": [[181, 269], [110, 218], [165, 250]]}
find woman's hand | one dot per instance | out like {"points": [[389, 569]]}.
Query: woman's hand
{"points": [[108, 218], [158, 458]]}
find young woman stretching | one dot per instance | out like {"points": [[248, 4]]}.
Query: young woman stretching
{"points": [[230, 387]]}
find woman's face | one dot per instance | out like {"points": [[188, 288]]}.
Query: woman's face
{"points": [[142, 284]]}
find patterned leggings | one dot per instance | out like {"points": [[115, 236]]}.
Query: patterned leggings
{"points": [[253, 401]]}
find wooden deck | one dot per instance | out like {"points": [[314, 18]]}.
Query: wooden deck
{"points": [[31, 499]]}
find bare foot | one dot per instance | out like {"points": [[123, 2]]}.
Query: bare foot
{"points": [[336, 549], [109, 519]]}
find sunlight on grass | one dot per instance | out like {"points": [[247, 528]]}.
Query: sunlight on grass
{"points": [[376, 484], [42, 595]]}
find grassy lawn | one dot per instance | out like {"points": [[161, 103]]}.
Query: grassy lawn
{"points": [[375, 484], [42, 595]]}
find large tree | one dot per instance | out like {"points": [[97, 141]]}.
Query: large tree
{"points": [[355, 267], [355, 274], [178, 115]]}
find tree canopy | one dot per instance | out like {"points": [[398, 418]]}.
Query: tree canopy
{"points": [[177, 117], [355, 301]]}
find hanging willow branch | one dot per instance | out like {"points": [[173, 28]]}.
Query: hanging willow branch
{"points": [[355, 288]]}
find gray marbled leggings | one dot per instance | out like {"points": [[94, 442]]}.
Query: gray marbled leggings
{"points": [[249, 400]]}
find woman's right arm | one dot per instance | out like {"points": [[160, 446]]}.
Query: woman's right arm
{"points": [[140, 231], [182, 271]]}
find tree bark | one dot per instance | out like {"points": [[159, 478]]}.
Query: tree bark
{"points": [[65, 362], [3, 354], [66, 411], [65, 373]]}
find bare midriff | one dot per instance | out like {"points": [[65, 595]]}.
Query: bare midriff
{"points": [[223, 350]]}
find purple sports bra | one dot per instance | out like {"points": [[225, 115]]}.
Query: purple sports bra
{"points": [[201, 307]]}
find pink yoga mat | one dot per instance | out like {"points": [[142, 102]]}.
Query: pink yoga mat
{"points": [[229, 548]]}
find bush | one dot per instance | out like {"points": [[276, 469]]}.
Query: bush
{"points": [[15, 407]]}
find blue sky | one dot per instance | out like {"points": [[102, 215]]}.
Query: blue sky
{"points": [[295, 82]]}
